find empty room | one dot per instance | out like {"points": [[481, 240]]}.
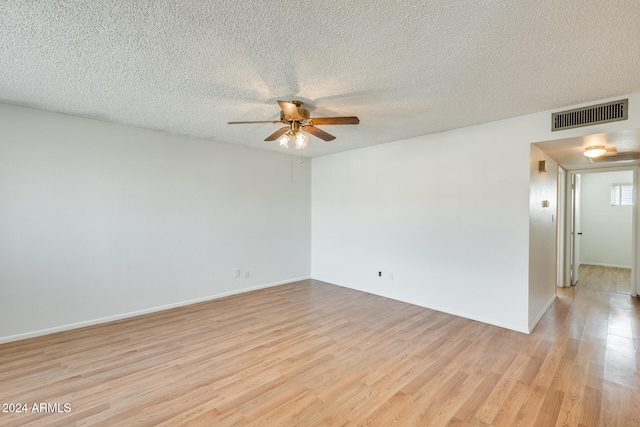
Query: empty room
{"points": [[344, 213]]}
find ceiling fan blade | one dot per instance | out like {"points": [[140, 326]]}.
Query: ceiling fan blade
{"points": [[350, 120], [319, 133], [277, 134], [261, 121], [290, 110]]}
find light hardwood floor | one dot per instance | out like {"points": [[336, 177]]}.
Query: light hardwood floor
{"points": [[609, 279], [310, 353]]}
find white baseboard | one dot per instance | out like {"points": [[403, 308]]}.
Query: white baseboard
{"points": [[542, 312], [599, 264], [107, 319]]}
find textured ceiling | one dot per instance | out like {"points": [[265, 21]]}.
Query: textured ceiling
{"points": [[405, 68]]}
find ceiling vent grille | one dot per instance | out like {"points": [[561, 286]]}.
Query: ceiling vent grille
{"points": [[587, 116], [616, 157]]}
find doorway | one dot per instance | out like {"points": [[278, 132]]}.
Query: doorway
{"points": [[623, 148], [601, 229]]}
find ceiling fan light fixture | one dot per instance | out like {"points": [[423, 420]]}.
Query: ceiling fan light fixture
{"points": [[284, 140], [595, 151], [301, 140], [296, 120]]}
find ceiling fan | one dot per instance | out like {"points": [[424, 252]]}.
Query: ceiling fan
{"points": [[298, 121]]}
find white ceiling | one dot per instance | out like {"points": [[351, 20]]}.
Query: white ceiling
{"points": [[405, 68]]}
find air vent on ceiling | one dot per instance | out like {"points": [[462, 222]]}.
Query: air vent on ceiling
{"points": [[617, 157], [587, 116]]}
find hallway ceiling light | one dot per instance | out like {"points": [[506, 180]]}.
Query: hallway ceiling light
{"points": [[595, 151]]}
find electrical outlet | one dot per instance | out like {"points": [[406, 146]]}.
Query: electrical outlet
{"points": [[379, 273], [246, 274], [236, 273], [391, 276]]}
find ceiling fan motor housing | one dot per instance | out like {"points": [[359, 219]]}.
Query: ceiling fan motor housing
{"points": [[303, 112]]}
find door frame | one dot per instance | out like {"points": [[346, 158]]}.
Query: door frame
{"points": [[568, 222], [560, 234]]}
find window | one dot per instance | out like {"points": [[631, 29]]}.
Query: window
{"points": [[621, 194]]}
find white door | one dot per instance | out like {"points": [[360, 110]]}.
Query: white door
{"points": [[575, 229]]}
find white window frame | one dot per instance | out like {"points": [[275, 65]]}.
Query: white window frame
{"points": [[617, 192]]}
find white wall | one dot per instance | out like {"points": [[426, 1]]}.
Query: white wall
{"points": [[606, 229], [98, 220], [447, 214], [542, 235]]}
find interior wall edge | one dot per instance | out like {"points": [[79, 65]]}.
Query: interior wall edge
{"points": [[543, 229], [535, 321]]}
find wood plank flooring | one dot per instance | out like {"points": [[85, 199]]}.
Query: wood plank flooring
{"points": [[312, 354], [609, 279]]}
